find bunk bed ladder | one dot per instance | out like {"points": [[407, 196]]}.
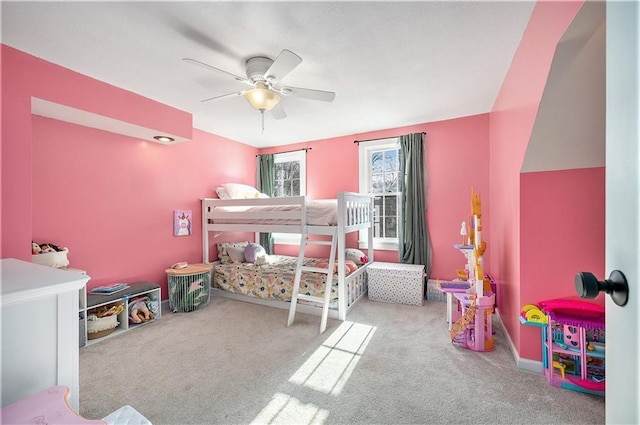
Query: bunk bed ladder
{"points": [[304, 241]]}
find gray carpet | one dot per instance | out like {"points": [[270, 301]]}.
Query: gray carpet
{"points": [[238, 363]]}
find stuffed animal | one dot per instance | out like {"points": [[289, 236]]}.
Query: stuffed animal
{"points": [[253, 251], [49, 247], [56, 256], [139, 312], [44, 247]]}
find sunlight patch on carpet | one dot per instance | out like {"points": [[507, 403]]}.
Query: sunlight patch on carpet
{"points": [[328, 369], [284, 409]]}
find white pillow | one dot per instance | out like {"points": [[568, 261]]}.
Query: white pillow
{"points": [[223, 254], [240, 191], [356, 256], [236, 254], [222, 193]]}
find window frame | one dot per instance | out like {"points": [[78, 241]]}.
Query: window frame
{"points": [[365, 149]]}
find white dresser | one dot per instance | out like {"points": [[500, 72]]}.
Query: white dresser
{"points": [[39, 329]]}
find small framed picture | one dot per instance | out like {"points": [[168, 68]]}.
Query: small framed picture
{"points": [[182, 222]]}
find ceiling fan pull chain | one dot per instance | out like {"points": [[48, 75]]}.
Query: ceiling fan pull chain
{"points": [[262, 113]]}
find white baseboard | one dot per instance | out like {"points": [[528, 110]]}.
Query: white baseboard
{"points": [[530, 365], [523, 364]]}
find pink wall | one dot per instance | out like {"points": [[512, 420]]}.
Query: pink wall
{"points": [[112, 198], [108, 198], [562, 233], [511, 122], [111, 201], [25, 76], [457, 159]]}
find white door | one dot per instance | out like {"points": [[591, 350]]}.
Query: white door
{"points": [[623, 210]]}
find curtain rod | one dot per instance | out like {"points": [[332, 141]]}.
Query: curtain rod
{"points": [[380, 138], [295, 150]]}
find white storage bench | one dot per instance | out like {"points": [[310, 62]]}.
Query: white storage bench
{"points": [[396, 283]]}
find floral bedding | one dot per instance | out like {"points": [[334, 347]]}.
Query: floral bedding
{"points": [[273, 281]]}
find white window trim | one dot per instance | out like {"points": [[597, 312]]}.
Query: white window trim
{"points": [[364, 152], [300, 156]]}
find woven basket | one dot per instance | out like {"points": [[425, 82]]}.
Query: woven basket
{"points": [[100, 334], [97, 327]]}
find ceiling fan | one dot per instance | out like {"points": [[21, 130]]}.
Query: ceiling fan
{"points": [[263, 76]]}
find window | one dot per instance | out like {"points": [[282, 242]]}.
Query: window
{"points": [[290, 174], [380, 175], [290, 180]]}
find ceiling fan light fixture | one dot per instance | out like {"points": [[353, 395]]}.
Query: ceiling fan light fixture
{"points": [[261, 98]]}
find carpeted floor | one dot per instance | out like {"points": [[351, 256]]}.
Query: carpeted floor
{"points": [[238, 363]]}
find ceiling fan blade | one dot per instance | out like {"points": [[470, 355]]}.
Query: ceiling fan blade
{"points": [[213, 68], [194, 34], [278, 112], [284, 64], [239, 93], [325, 96]]}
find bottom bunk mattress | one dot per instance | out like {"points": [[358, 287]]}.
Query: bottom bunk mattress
{"points": [[272, 281]]}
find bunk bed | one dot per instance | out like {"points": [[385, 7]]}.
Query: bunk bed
{"points": [[315, 221]]}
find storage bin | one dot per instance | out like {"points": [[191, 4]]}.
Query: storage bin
{"points": [[103, 320], [97, 327], [189, 287], [433, 293], [57, 259], [396, 283]]}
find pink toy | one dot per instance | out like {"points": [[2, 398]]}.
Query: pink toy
{"points": [[474, 330], [569, 306], [49, 406], [573, 342]]}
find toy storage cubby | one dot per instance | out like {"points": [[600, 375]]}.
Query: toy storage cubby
{"points": [[91, 302]]}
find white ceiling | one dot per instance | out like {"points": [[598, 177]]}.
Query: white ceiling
{"points": [[391, 64]]}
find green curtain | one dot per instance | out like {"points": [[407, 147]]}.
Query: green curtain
{"points": [[266, 179], [415, 246]]}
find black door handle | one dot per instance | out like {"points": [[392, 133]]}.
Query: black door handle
{"points": [[588, 286]]}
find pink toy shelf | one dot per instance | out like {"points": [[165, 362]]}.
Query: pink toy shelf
{"points": [[573, 344]]}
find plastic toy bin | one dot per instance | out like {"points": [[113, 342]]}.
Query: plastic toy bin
{"points": [[189, 287], [396, 283]]}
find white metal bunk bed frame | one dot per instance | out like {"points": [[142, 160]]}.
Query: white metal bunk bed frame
{"points": [[354, 213]]}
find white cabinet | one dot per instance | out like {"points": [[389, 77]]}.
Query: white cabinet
{"points": [[90, 302], [39, 329]]}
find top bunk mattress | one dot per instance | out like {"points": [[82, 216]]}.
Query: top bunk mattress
{"points": [[320, 212]]}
